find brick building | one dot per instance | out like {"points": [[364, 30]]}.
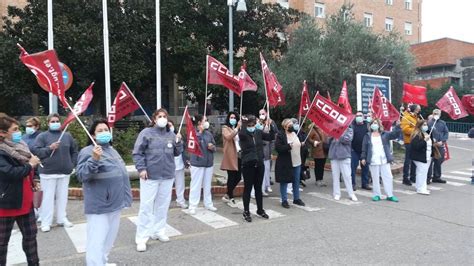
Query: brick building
{"points": [[5, 3], [444, 61], [379, 15]]}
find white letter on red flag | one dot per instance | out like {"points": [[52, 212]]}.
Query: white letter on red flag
{"points": [[452, 105]]}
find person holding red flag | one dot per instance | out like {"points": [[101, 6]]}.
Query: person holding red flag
{"points": [[343, 100], [408, 123], [153, 154], [440, 136], [361, 129], [202, 166]]}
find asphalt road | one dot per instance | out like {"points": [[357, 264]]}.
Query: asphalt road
{"points": [[436, 229]]}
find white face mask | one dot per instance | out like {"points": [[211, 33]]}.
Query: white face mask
{"points": [[205, 125], [161, 122], [172, 129], [436, 117], [262, 117]]}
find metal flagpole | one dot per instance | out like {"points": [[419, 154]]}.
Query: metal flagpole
{"points": [[143, 110], [265, 84], [60, 137], [309, 132], [82, 124], [108, 101], [182, 119], [53, 99], [241, 101], [158, 55], [304, 119], [207, 76]]}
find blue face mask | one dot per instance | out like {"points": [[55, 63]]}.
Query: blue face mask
{"points": [[54, 126], [359, 119], [103, 137], [16, 137], [251, 129], [424, 128], [296, 127], [369, 119], [374, 127], [259, 126], [233, 121], [30, 130]]}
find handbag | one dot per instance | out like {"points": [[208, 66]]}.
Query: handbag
{"points": [[37, 194], [436, 153]]}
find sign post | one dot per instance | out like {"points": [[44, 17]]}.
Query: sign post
{"points": [[365, 89]]}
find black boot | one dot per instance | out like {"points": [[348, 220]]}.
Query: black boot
{"points": [[247, 216]]}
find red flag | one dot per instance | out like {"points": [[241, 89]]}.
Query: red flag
{"points": [[245, 82], [273, 87], [331, 118], [344, 98], [451, 104], [45, 66], [124, 104], [191, 135], [218, 74], [80, 106], [305, 101], [414, 94], [383, 109], [468, 103]]}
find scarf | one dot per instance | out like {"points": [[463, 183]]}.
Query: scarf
{"points": [[19, 151]]}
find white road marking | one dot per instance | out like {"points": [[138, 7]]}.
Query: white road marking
{"points": [[15, 251], [306, 208], [212, 219], [462, 173], [78, 236], [169, 230], [330, 198], [253, 209], [460, 178]]}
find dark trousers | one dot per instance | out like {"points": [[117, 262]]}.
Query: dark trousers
{"points": [[253, 177], [355, 161], [434, 172], [27, 225], [233, 179], [319, 168], [409, 167]]}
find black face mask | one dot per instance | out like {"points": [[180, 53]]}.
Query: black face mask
{"points": [[290, 129]]}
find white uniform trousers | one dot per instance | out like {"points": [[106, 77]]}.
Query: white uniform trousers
{"points": [[179, 186], [102, 230], [200, 177], [266, 175], [421, 175], [155, 198], [385, 172], [54, 186], [343, 167]]}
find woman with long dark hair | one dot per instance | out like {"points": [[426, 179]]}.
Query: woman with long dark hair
{"points": [[421, 151]]}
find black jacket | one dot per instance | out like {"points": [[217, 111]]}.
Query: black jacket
{"points": [[251, 145], [283, 164], [12, 173], [418, 149]]}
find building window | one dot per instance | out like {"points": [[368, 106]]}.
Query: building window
{"points": [[319, 10], [388, 24], [368, 19], [408, 28], [408, 4], [389, 2]]}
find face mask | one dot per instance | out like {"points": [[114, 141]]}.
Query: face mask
{"points": [[359, 119], [296, 127], [103, 137], [172, 129], [16, 137], [205, 125], [369, 119], [259, 126], [30, 130], [374, 127], [251, 129], [290, 128], [233, 121], [162, 122], [54, 126], [262, 117], [436, 117], [424, 128]]}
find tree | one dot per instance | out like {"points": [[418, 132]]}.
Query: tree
{"points": [[327, 55], [434, 95], [190, 29]]}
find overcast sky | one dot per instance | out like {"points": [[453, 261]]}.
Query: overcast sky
{"points": [[453, 19]]}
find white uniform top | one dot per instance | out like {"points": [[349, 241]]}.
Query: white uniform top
{"points": [[378, 153], [237, 144], [429, 143], [178, 161], [295, 149]]}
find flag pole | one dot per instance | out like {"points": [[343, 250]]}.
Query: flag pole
{"points": [[304, 119], [310, 129], [265, 84], [82, 124], [241, 101], [60, 137], [182, 119], [207, 76], [143, 110], [299, 113]]}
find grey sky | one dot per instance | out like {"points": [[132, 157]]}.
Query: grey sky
{"points": [[453, 19]]}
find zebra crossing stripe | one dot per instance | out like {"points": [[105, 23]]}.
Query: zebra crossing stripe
{"points": [[413, 192], [330, 198], [306, 208], [212, 219], [169, 230], [462, 173], [364, 193], [456, 184], [253, 209], [460, 178], [15, 251], [78, 236]]}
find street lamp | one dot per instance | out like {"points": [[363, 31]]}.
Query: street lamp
{"points": [[241, 7]]}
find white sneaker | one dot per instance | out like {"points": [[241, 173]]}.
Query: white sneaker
{"points": [[192, 211], [265, 194], [252, 195], [161, 237], [353, 198], [66, 223], [226, 198], [423, 192], [301, 190], [289, 192], [141, 247], [45, 228], [212, 208], [182, 205], [337, 197], [269, 190], [232, 203]]}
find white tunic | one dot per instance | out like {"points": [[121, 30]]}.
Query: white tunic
{"points": [[295, 149], [378, 153]]}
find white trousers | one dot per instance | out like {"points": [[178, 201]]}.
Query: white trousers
{"points": [[179, 186], [343, 167], [421, 175], [266, 175], [54, 186], [200, 177], [155, 198], [102, 230], [385, 172]]}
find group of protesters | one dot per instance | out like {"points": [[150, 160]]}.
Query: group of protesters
{"points": [[160, 158]]}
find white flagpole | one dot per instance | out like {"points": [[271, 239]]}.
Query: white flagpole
{"points": [[182, 119], [143, 110], [299, 119], [158, 55], [205, 94], [61, 136], [241, 101], [265, 85], [53, 100], [108, 101], [309, 132], [311, 105], [82, 124]]}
